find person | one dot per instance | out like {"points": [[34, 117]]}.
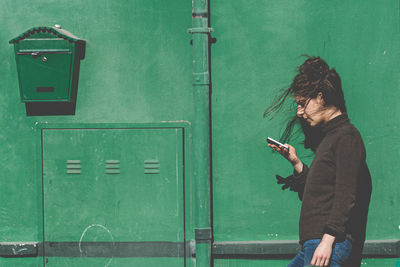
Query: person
{"points": [[335, 190]]}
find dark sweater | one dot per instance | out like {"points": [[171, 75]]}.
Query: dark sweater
{"points": [[336, 189]]}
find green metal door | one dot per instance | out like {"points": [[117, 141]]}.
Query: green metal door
{"points": [[113, 197]]}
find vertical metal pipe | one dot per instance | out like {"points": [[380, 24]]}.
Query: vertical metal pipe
{"points": [[201, 131]]}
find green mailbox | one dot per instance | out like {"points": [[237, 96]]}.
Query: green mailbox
{"points": [[48, 60]]}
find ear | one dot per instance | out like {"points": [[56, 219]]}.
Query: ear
{"points": [[320, 99]]}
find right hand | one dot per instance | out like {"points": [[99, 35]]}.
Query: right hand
{"points": [[290, 155]]}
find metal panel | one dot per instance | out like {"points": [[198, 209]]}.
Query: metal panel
{"points": [[259, 46], [137, 69], [97, 191], [289, 248], [258, 49], [117, 262]]}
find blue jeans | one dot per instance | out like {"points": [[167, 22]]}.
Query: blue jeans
{"points": [[340, 253]]}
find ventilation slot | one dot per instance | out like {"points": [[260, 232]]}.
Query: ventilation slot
{"points": [[74, 167], [151, 167], [112, 167]]}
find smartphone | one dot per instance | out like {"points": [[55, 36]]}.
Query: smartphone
{"points": [[274, 142]]}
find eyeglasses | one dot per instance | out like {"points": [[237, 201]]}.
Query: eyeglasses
{"points": [[303, 102]]}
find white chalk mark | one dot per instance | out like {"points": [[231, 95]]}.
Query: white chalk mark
{"points": [[102, 227], [16, 252]]}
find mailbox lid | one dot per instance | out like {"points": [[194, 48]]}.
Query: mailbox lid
{"points": [[48, 44], [46, 32], [44, 76]]}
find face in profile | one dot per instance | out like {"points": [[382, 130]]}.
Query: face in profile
{"points": [[311, 109]]}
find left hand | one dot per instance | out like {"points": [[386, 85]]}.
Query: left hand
{"points": [[322, 254]]}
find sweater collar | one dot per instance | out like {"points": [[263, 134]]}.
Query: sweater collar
{"points": [[335, 122]]}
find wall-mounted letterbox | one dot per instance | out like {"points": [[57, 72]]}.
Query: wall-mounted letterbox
{"points": [[48, 60]]}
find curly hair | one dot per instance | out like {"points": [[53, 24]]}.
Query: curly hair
{"points": [[314, 76]]}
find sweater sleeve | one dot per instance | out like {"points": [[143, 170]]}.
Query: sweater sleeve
{"points": [[349, 154], [300, 180], [294, 182]]}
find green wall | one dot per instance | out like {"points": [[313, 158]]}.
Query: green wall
{"points": [[258, 49], [138, 69], [256, 54]]}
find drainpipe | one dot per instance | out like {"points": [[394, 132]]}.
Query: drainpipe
{"points": [[201, 131]]}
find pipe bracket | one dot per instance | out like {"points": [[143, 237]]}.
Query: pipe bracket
{"points": [[199, 15], [200, 30], [201, 78], [203, 235]]}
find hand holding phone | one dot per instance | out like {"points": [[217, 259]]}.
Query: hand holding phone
{"points": [[284, 151], [278, 144]]}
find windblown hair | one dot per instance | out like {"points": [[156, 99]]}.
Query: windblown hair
{"points": [[314, 76]]}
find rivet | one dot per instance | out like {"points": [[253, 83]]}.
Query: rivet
{"points": [[44, 59]]}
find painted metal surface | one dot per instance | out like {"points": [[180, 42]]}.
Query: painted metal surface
{"points": [[135, 49], [37, 84], [138, 69], [127, 78], [289, 248], [259, 46], [201, 131], [51, 32], [48, 64], [135, 211], [128, 205]]}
